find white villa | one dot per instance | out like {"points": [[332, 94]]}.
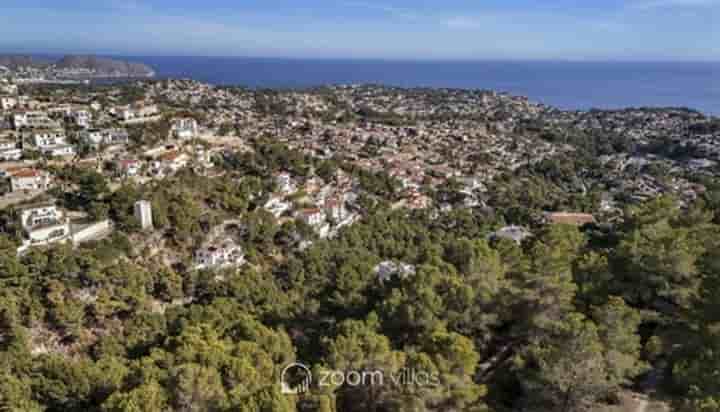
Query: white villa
{"points": [[219, 255]]}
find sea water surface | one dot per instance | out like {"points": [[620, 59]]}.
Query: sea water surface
{"points": [[567, 85]]}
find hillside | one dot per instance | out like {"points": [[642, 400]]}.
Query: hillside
{"points": [[105, 66], [100, 66], [16, 61]]}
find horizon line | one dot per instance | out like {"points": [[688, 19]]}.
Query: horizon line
{"points": [[366, 59]]}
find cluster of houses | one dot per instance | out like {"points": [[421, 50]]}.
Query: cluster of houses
{"points": [[426, 140], [324, 206]]}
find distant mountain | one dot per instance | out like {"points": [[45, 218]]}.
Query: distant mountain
{"points": [[105, 66], [100, 66], [14, 62]]}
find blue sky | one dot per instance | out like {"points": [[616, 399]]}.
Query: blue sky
{"points": [[403, 29]]}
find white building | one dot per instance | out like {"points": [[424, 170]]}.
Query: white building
{"points": [[8, 102], [170, 162], [44, 224], [44, 139], [387, 269], [143, 213], [9, 150], [97, 137], [277, 206], [315, 218], [34, 120], [29, 179], [138, 112], [221, 255], [10, 88], [285, 183], [335, 210], [59, 150], [128, 167], [52, 143], [514, 233], [81, 118], [184, 128]]}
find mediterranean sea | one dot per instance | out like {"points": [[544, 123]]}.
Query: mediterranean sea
{"points": [[566, 85]]}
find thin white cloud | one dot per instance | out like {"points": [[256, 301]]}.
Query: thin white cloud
{"points": [[462, 22], [124, 5], [660, 4], [393, 11]]}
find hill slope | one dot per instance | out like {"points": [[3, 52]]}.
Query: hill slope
{"points": [[101, 66], [106, 66]]}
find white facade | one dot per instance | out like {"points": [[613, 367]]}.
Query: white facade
{"points": [[10, 154], [39, 215], [226, 254], [143, 213], [44, 224], [128, 168], [7, 145], [514, 233], [96, 137], [59, 150], [277, 206], [313, 217], [35, 120], [316, 219], [29, 179], [185, 128], [285, 183], [81, 118], [139, 112], [48, 138], [336, 210], [8, 88], [8, 102], [387, 269], [171, 161]]}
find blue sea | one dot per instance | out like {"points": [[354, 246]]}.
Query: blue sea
{"points": [[567, 85]]}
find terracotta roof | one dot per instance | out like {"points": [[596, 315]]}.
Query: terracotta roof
{"points": [[25, 173], [170, 156], [577, 219]]}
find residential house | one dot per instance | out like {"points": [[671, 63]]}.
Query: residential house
{"points": [[388, 269], [514, 233], [127, 167], [8, 88], [285, 184], [9, 150], [138, 112], [169, 162], [43, 224], [8, 102], [33, 120], [277, 206], [108, 137], [81, 118], [29, 179], [219, 255], [314, 218], [43, 139], [335, 209], [184, 128]]}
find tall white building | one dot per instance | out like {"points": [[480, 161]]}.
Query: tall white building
{"points": [[143, 213]]}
